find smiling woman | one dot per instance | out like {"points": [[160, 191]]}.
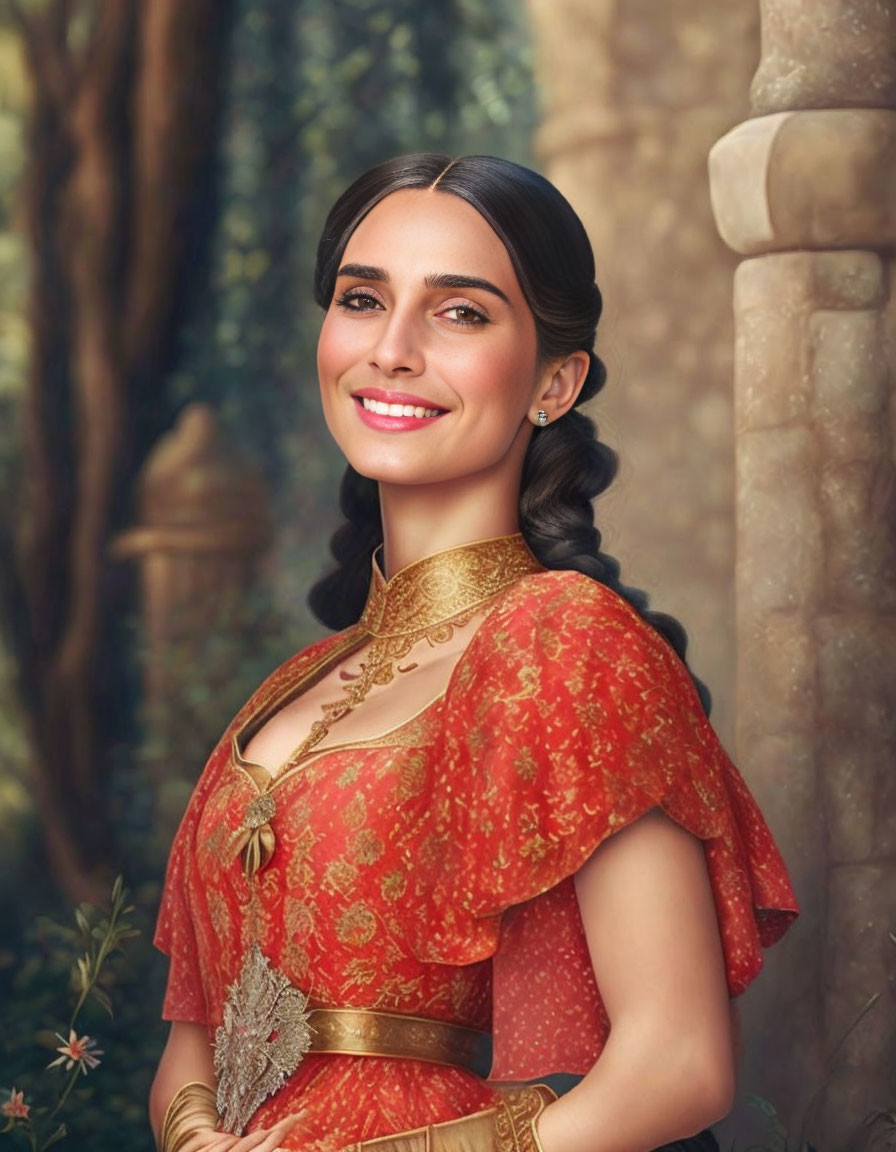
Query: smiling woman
{"points": [[484, 832], [427, 313]]}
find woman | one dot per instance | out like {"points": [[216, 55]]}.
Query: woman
{"points": [[495, 791]]}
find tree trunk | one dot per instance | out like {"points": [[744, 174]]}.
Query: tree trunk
{"points": [[119, 159]]}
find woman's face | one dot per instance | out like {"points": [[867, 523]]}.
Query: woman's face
{"points": [[428, 355]]}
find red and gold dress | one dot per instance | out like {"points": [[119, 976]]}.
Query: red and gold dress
{"points": [[428, 872]]}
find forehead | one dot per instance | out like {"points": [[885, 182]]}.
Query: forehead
{"points": [[428, 231]]}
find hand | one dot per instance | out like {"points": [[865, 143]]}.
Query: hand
{"points": [[262, 1140]]}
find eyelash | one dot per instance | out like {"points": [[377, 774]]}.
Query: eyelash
{"points": [[477, 318], [344, 301]]}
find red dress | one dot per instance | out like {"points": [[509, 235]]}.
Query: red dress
{"points": [[429, 871]]}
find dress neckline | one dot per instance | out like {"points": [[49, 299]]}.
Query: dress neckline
{"points": [[435, 590], [425, 600]]}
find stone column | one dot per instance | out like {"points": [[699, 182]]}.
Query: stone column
{"points": [[203, 527], [634, 94], [807, 192]]}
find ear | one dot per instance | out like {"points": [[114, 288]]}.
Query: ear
{"points": [[559, 388]]}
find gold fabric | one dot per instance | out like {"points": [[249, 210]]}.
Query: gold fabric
{"points": [[426, 600], [268, 1030], [508, 1127], [261, 1041], [362, 1032]]}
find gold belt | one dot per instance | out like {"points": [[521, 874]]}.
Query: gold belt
{"points": [[268, 1028], [364, 1032]]}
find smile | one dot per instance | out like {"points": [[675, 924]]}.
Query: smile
{"points": [[383, 409]]}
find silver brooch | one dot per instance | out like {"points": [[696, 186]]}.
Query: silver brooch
{"points": [[262, 1040]]}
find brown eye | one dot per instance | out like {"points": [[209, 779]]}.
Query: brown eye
{"points": [[464, 314], [358, 302]]}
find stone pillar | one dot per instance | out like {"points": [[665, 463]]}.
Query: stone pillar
{"points": [[807, 192], [203, 526], [634, 94]]}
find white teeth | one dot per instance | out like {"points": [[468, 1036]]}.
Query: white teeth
{"points": [[383, 409]]}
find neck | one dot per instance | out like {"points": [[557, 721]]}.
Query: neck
{"points": [[418, 521]]}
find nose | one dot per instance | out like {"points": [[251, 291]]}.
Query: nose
{"points": [[398, 349]]}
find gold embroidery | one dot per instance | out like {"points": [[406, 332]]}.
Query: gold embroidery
{"points": [[356, 926], [367, 847], [349, 776], [366, 1033], [340, 876], [412, 776], [515, 1120], [425, 601], [261, 1042], [355, 812], [394, 885], [268, 1029]]}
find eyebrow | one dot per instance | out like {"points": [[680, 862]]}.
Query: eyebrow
{"points": [[437, 280]]}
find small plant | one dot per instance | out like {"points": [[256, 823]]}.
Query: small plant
{"points": [[98, 937]]}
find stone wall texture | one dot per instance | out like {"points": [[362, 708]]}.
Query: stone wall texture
{"points": [[806, 190], [816, 614], [634, 95], [774, 441]]}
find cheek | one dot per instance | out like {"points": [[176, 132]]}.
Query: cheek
{"points": [[502, 375], [330, 350]]}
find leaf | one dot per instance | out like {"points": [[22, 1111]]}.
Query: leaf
{"points": [[60, 1134], [83, 973], [82, 921], [101, 998]]}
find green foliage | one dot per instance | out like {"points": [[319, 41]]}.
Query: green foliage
{"points": [[87, 962], [320, 90], [209, 676], [317, 91]]}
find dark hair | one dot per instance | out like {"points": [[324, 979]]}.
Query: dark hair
{"points": [[565, 465]]}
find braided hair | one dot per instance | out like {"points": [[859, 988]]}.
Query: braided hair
{"points": [[566, 466]]}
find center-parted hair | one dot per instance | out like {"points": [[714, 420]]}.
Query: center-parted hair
{"points": [[566, 466]]}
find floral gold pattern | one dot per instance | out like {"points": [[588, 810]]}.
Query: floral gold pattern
{"points": [[566, 718], [426, 600], [508, 1127], [261, 1042]]}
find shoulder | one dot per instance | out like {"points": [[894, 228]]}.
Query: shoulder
{"points": [[562, 642], [571, 600], [563, 615]]}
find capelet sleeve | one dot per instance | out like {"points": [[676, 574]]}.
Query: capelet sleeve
{"points": [[567, 719]]}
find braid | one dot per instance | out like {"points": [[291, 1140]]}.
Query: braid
{"points": [[337, 599], [565, 468]]}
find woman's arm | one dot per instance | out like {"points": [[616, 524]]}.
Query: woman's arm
{"points": [[668, 1068], [188, 1058]]}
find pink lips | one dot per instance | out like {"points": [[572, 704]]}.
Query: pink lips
{"points": [[384, 422]]}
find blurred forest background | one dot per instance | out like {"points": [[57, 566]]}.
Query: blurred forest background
{"points": [[169, 487], [165, 168]]}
